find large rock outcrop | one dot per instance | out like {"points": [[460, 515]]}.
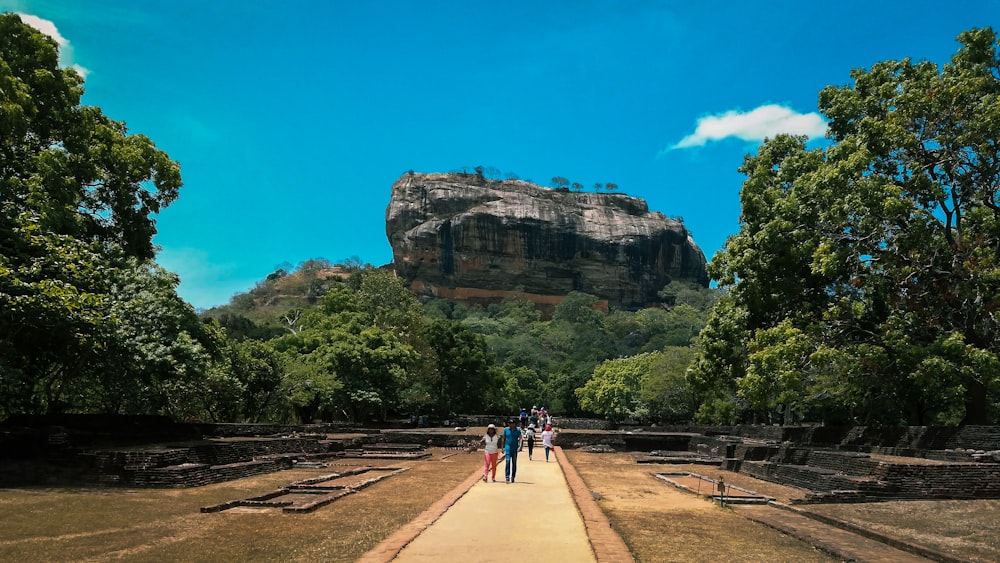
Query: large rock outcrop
{"points": [[465, 236]]}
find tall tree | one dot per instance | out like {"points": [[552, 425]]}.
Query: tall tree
{"points": [[881, 250], [463, 361], [77, 200], [614, 390]]}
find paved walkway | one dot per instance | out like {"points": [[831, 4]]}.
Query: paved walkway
{"points": [[549, 515], [534, 519]]}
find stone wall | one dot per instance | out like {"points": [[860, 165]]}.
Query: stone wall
{"points": [[906, 437], [199, 464], [211, 453], [812, 478], [570, 439], [235, 430], [198, 474], [962, 481], [563, 423], [650, 441], [713, 446], [838, 475], [580, 423]]}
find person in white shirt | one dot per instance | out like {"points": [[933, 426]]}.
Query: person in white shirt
{"points": [[547, 441], [492, 451]]}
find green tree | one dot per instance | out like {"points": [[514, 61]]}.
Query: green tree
{"points": [[578, 308], [778, 365], [53, 303], [77, 200], [615, 387], [463, 361], [883, 246], [78, 169], [155, 357], [360, 350], [665, 387], [720, 362], [518, 387], [688, 293], [259, 371], [560, 182]]}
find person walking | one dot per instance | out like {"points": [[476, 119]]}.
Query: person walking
{"points": [[547, 441], [523, 417], [530, 436], [511, 443], [491, 452]]}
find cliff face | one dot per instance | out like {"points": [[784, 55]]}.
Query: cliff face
{"points": [[456, 234]]}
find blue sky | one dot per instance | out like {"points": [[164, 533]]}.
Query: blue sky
{"points": [[291, 120]]}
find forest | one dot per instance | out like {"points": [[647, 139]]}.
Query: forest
{"points": [[355, 344], [862, 287]]}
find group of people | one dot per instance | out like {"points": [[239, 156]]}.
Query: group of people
{"points": [[511, 440], [538, 417]]}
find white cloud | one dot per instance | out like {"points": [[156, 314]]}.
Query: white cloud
{"points": [[65, 49], [755, 125]]}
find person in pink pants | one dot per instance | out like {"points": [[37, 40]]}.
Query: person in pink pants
{"points": [[492, 451]]}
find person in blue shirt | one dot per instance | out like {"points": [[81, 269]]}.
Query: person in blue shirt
{"points": [[511, 443]]}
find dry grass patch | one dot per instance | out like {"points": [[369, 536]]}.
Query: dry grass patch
{"points": [[963, 528], [62, 524], [660, 523]]}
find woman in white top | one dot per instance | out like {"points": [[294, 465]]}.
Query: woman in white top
{"points": [[492, 451], [547, 441]]}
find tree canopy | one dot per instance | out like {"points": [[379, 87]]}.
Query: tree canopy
{"points": [[78, 196], [864, 278]]}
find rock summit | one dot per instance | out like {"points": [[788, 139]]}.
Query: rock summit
{"points": [[466, 237]]}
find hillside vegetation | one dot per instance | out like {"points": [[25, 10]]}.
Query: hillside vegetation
{"points": [[355, 343]]}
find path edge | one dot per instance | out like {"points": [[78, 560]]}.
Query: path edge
{"points": [[608, 546], [389, 548]]}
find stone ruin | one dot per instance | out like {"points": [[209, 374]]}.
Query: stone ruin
{"points": [[712, 488], [149, 451], [310, 494], [855, 464], [833, 464]]}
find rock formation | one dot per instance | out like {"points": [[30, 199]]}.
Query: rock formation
{"points": [[467, 237]]}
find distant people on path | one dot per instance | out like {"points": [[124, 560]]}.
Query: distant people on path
{"points": [[523, 417], [547, 441], [530, 438], [491, 452], [511, 443]]}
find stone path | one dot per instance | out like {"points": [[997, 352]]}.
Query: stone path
{"points": [[841, 543], [534, 519]]}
